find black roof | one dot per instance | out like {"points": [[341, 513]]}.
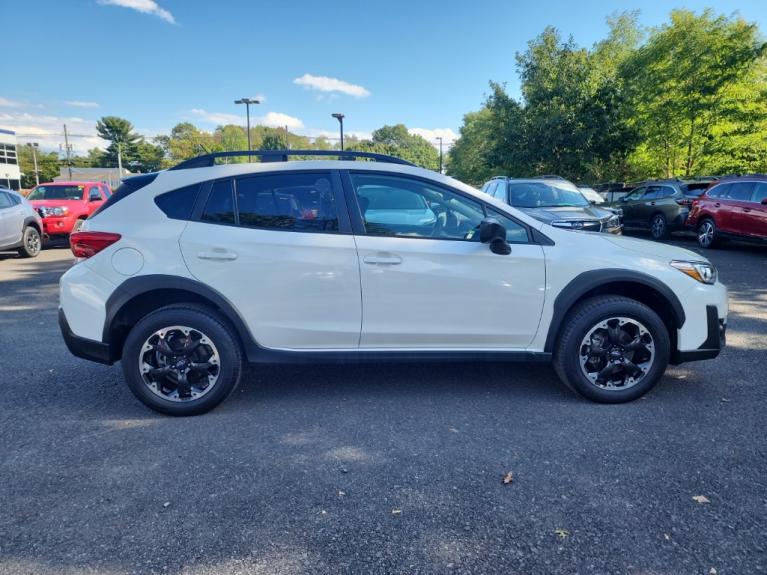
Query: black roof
{"points": [[207, 160]]}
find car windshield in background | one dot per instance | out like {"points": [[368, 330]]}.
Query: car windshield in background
{"points": [[695, 190], [56, 193], [545, 195]]}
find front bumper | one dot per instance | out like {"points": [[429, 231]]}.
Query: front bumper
{"points": [[715, 340], [58, 225], [89, 349]]}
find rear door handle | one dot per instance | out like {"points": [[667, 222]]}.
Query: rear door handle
{"points": [[219, 254], [717, 204], [746, 209], [652, 203], [383, 260]]}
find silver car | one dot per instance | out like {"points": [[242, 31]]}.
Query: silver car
{"points": [[21, 228], [555, 201]]}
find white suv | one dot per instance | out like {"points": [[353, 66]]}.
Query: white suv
{"points": [[187, 273]]}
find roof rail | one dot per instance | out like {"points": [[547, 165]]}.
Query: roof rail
{"points": [[547, 177], [207, 160]]}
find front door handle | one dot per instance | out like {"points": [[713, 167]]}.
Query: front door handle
{"points": [[746, 209], [717, 204], [383, 259], [219, 254]]}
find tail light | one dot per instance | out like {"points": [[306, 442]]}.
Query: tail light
{"points": [[87, 244], [684, 202]]}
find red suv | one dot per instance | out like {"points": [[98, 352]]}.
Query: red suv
{"points": [[65, 205], [731, 208]]}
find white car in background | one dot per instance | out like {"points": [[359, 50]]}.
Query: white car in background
{"points": [[21, 228], [185, 274]]}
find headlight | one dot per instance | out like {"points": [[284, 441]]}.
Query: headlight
{"points": [[701, 271], [46, 211]]}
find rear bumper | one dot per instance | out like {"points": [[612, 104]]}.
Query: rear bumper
{"points": [[89, 349], [680, 221], [715, 341]]}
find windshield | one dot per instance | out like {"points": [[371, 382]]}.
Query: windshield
{"points": [[56, 193], [548, 194]]}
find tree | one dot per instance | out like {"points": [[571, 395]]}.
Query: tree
{"points": [[119, 132], [697, 88], [47, 165], [397, 141], [470, 157]]}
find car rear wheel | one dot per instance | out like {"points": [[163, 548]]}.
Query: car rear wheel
{"points": [[182, 360], [707, 234], [659, 227], [31, 243], [613, 349]]}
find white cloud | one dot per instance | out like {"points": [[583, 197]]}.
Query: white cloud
{"points": [[217, 117], [143, 6], [81, 104], [448, 136], [271, 119], [279, 120], [6, 103], [326, 84], [48, 131]]}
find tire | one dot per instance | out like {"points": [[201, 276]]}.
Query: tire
{"points": [[78, 225], [31, 243], [659, 227], [585, 319], [153, 381], [708, 235]]}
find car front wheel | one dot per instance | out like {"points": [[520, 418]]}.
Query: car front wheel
{"points": [[613, 349], [31, 243], [182, 360]]}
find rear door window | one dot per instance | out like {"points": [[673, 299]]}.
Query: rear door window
{"points": [[290, 202]]}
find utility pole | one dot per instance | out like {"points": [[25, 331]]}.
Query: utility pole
{"points": [[33, 146], [247, 102], [67, 149], [119, 161], [287, 141], [440, 153], [340, 118]]}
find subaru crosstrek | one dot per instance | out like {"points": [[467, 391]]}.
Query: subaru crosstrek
{"points": [[185, 274]]}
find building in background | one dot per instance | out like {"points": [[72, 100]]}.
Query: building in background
{"points": [[10, 176], [109, 176]]}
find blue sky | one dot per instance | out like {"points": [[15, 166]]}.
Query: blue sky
{"points": [[423, 63]]}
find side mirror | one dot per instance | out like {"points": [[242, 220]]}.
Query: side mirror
{"points": [[624, 198], [492, 232], [764, 201]]}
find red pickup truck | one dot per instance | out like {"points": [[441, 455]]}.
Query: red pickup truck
{"points": [[65, 205]]}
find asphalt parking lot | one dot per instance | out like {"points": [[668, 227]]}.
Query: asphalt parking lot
{"points": [[381, 469]]}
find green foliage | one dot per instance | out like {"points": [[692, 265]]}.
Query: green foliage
{"points": [[697, 93], [47, 165], [397, 141], [690, 97]]}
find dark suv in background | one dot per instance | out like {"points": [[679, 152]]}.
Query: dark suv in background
{"points": [[555, 201], [661, 206]]}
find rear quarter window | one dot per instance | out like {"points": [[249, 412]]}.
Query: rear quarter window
{"points": [[178, 204]]}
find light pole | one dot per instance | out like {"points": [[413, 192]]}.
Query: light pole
{"points": [[440, 153], [247, 102], [340, 118], [33, 146]]}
